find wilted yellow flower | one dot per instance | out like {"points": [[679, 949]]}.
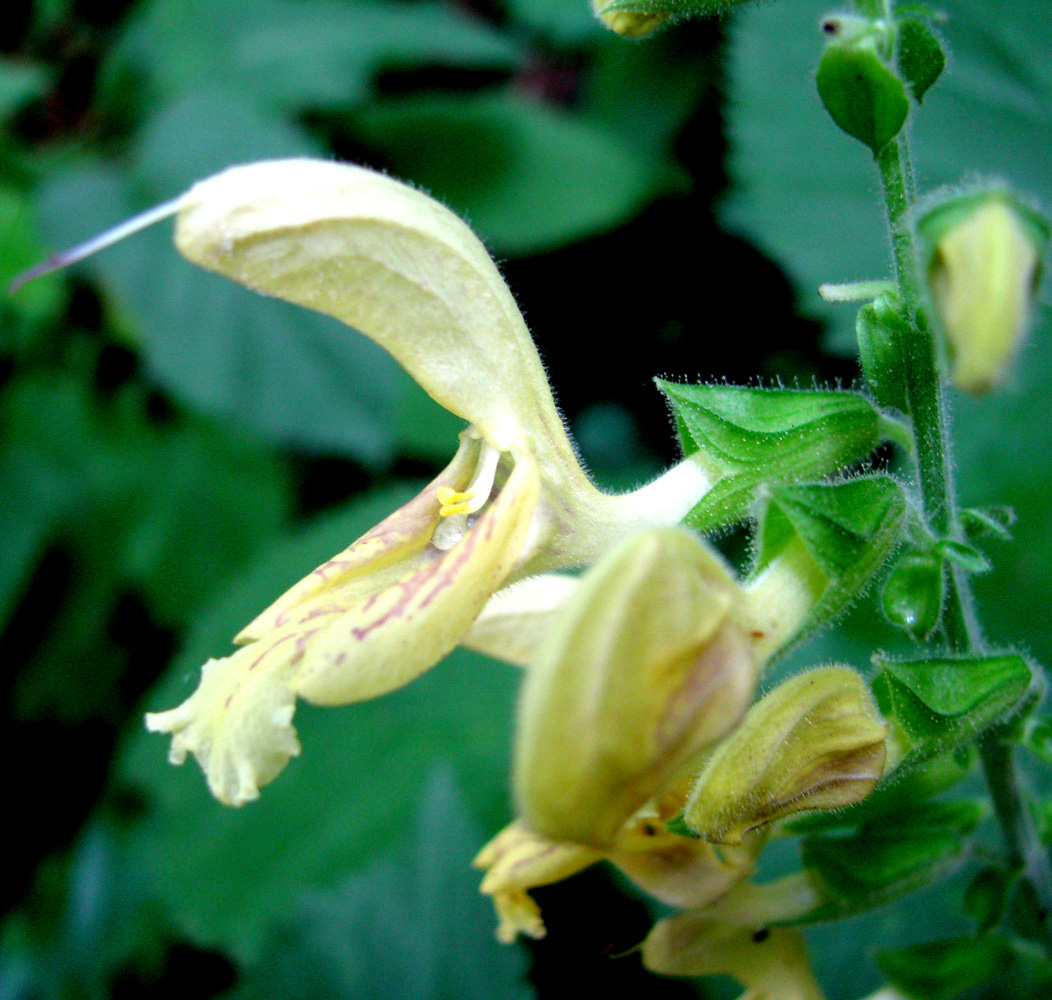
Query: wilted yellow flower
{"points": [[405, 271], [815, 742]]}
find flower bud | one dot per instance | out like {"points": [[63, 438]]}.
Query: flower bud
{"points": [[629, 23], [983, 269], [815, 742], [646, 667]]}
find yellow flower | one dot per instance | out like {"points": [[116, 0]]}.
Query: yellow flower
{"points": [[405, 271]]}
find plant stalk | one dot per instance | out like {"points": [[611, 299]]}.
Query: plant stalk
{"points": [[928, 411]]}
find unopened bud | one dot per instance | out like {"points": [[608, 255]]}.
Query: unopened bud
{"points": [[628, 23], [646, 667], [815, 742], [983, 269]]}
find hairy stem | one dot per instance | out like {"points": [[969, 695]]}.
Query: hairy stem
{"points": [[928, 411]]}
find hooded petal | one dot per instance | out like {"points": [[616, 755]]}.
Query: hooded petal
{"points": [[388, 261], [346, 635]]}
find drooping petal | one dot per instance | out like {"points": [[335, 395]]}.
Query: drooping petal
{"points": [[518, 859], [238, 723], [770, 962], [346, 636], [392, 636], [384, 553]]}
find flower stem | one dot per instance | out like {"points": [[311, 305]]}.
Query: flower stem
{"points": [[928, 411]]}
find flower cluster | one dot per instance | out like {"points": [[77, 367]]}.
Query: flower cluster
{"points": [[636, 743]]}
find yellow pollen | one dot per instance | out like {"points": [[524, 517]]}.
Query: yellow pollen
{"points": [[475, 496]]}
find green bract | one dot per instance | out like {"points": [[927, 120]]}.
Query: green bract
{"points": [[882, 331], [920, 56], [746, 437], [889, 857], [939, 704], [845, 531]]}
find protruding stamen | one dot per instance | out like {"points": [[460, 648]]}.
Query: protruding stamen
{"points": [[66, 257], [479, 489]]}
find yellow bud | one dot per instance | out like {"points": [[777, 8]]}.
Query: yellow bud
{"points": [[646, 667], [815, 742], [629, 23], [983, 272]]}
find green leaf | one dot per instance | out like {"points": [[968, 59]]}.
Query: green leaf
{"points": [[40, 301], [413, 926], [913, 593], [940, 704], [861, 94], [966, 556], [847, 528], [943, 970], [753, 436], [20, 83], [988, 522], [890, 857], [920, 56], [539, 177], [290, 56], [564, 23], [226, 876]]}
